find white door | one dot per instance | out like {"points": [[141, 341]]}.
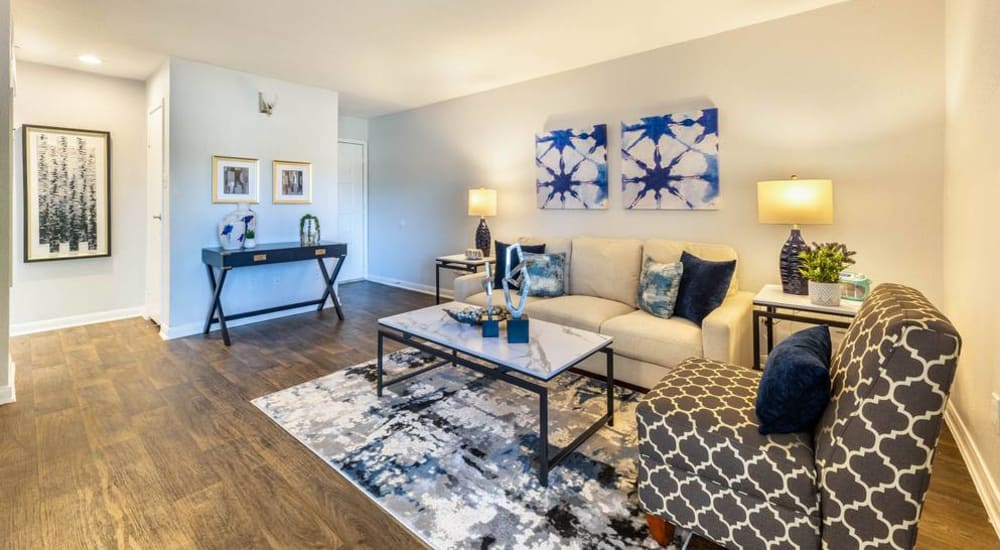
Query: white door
{"points": [[352, 190], [154, 209]]}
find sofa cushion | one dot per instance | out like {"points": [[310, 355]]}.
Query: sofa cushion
{"points": [[666, 251], [700, 419], [555, 245], [645, 337], [480, 298], [583, 312], [606, 268], [658, 286], [703, 286], [548, 274], [795, 388]]}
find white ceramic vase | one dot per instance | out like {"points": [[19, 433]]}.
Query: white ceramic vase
{"points": [[233, 227], [824, 294]]}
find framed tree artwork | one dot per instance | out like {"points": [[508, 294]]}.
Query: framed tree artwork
{"points": [[67, 193]]}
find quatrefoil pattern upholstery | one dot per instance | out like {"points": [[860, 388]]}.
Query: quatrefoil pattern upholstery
{"points": [[704, 465], [857, 482]]}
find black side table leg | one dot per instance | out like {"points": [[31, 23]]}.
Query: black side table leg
{"points": [[756, 339], [611, 385], [437, 283], [378, 366], [543, 440], [770, 329]]}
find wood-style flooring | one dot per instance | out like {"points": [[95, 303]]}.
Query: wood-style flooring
{"points": [[119, 439]]}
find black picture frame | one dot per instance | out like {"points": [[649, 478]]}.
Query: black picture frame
{"points": [[28, 196]]}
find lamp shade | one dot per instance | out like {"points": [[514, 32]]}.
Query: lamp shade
{"points": [[795, 201], [482, 202]]}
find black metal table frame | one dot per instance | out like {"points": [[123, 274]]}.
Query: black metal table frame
{"points": [[545, 462], [454, 266], [216, 307], [770, 313]]}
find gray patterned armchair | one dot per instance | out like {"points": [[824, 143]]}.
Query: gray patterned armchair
{"points": [[857, 482]]}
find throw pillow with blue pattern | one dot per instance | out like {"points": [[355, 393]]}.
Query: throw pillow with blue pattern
{"points": [[658, 287], [548, 274]]}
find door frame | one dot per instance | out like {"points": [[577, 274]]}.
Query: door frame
{"points": [[364, 200], [147, 313]]}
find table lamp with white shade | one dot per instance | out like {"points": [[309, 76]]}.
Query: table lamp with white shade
{"points": [[794, 202], [482, 203]]}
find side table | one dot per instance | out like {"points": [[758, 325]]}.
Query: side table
{"points": [[455, 262], [771, 303]]}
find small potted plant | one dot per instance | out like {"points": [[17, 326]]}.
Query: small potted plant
{"points": [[821, 266], [251, 240]]}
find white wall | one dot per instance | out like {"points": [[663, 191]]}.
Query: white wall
{"points": [[6, 183], [352, 127], [51, 294], [971, 240], [213, 111], [852, 92]]}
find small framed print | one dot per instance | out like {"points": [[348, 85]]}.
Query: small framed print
{"points": [[292, 182], [235, 180]]}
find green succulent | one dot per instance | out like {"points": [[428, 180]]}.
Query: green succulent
{"points": [[822, 263]]}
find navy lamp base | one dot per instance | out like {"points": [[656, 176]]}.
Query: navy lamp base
{"points": [[792, 281], [483, 240]]}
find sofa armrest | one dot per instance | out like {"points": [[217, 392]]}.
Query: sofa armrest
{"points": [[467, 285], [726, 333]]}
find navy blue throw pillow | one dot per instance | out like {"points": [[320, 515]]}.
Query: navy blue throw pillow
{"points": [[795, 387], [704, 285], [501, 263]]}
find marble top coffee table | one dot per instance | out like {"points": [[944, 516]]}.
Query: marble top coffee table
{"points": [[552, 349]]}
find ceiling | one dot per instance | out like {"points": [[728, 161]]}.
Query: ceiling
{"points": [[382, 55]]}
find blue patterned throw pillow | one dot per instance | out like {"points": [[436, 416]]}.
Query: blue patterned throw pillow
{"points": [[658, 286], [548, 274]]}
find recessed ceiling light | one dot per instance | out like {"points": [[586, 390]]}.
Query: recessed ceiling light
{"points": [[90, 59]]}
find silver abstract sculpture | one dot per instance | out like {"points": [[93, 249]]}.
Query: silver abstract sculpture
{"points": [[488, 287], [510, 277]]}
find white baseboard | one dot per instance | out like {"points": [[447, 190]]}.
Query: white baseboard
{"points": [[987, 487], [31, 327], [190, 329], [7, 394], [416, 287]]}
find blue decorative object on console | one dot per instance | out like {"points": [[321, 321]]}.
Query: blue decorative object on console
{"points": [[671, 162], [548, 274], [704, 285], [658, 287], [795, 387], [572, 168]]}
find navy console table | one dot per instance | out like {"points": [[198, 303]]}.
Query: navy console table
{"points": [[264, 254]]}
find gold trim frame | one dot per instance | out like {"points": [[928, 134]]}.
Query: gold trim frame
{"points": [[307, 182], [253, 197]]}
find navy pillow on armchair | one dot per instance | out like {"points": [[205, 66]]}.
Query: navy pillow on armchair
{"points": [[795, 387], [704, 285], [501, 261]]}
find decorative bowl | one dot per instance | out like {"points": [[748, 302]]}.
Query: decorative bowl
{"points": [[477, 315]]}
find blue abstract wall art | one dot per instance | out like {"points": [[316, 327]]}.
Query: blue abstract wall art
{"points": [[671, 162], [572, 168]]}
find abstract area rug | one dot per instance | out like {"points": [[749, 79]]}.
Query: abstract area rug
{"points": [[450, 454]]}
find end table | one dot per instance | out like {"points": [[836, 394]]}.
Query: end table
{"points": [[770, 299], [455, 262]]}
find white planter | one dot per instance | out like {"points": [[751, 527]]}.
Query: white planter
{"points": [[824, 294]]}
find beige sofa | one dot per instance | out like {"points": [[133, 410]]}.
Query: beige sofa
{"points": [[603, 279]]}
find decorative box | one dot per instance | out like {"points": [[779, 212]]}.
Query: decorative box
{"points": [[854, 286]]}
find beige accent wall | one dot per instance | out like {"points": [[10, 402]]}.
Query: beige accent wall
{"points": [[852, 92], [971, 239]]}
